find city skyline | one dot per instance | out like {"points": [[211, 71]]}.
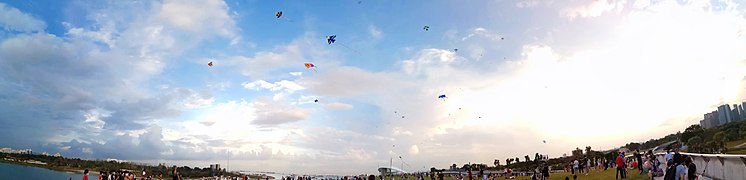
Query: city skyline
{"points": [[338, 87]]}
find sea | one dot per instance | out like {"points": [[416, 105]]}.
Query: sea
{"points": [[12, 171]]}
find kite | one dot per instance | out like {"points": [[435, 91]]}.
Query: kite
{"points": [[310, 65], [358, 2], [502, 38], [278, 14], [333, 38], [330, 39], [209, 64], [442, 96], [402, 117], [426, 28], [545, 141], [455, 50], [316, 100]]}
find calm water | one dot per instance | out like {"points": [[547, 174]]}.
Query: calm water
{"points": [[12, 171]]}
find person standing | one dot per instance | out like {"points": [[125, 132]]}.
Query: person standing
{"points": [[606, 164], [175, 174], [620, 166], [470, 178], [545, 172], [85, 174], [638, 156], [691, 168], [681, 169], [575, 166], [669, 157]]}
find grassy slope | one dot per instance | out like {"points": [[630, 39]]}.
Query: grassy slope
{"points": [[594, 175]]}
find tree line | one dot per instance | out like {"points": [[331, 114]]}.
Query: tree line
{"points": [[63, 163]]}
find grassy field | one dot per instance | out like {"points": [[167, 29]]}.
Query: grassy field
{"points": [[593, 175], [734, 143]]}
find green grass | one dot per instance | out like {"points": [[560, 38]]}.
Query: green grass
{"points": [[731, 144], [608, 174], [593, 175]]}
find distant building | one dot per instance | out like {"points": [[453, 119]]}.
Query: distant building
{"points": [[16, 151], [724, 114], [214, 169], [710, 120], [389, 171], [57, 155], [734, 114], [743, 111]]}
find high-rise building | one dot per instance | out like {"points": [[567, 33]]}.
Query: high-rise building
{"points": [[740, 116], [743, 113], [724, 114], [703, 124], [710, 120], [734, 115]]}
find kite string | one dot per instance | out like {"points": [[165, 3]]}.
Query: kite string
{"points": [[343, 45]]}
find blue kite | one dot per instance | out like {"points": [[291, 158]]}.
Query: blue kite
{"points": [[442, 96], [331, 39]]}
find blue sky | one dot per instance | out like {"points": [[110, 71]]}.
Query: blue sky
{"points": [[89, 78]]}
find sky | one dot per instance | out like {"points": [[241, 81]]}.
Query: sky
{"points": [[129, 79]]}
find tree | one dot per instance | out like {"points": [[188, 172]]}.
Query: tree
{"points": [[719, 139], [710, 146], [454, 166], [577, 153], [588, 150], [694, 143], [691, 131], [527, 158], [517, 160], [732, 134], [497, 162], [638, 145]]}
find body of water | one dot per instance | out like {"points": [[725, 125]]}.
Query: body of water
{"points": [[12, 171]]}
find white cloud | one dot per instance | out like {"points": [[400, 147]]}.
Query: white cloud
{"points": [[104, 34], [594, 9], [337, 105], [15, 20], [375, 32], [209, 16], [428, 61], [271, 113], [482, 32], [283, 58], [285, 85], [349, 81], [296, 73], [641, 4], [414, 150]]}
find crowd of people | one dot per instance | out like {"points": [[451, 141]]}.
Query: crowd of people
{"points": [[675, 167], [127, 175], [174, 175]]}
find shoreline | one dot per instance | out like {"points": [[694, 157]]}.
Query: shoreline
{"points": [[45, 166], [72, 170]]}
